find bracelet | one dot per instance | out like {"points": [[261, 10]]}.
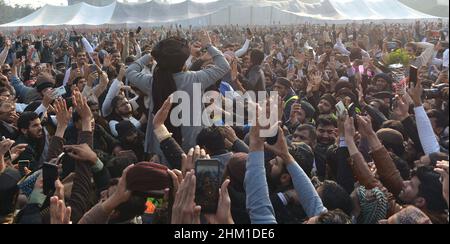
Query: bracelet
{"points": [[162, 133]]}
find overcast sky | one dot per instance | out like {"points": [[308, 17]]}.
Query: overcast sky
{"points": [[37, 3]]}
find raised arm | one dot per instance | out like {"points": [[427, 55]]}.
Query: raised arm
{"points": [[426, 134], [241, 52], [137, 78], [258, 203], [221, 66], [309, 198], [112, 92]]}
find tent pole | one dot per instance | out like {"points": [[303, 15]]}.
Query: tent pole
{"points": [[229, 15], [271, 15]]}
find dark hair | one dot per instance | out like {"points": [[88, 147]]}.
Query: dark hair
{"points": [[311, 130], [25, 119], [114, 103], [117, 165], [256, 57], [211, 139], [402, 166], [334, 217], [171, 55], [441, 119], [326, 120], [112, 73], [134, 207], [335, 197], [32, 106], [430, 188], [130, 59], [4, 89], [396, 125], [329, 44]]}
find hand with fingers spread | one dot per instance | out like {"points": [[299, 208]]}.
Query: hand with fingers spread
{"points": [[184, 210], [107, 61], [223, 214], [205, 39], [59, 213], [401, 111], [63, 116], [82, 153], [442, 169], [83, 109], [188, 161]]}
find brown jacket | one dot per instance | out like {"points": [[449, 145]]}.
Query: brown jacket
{"points": [[390, 181], [80, 200], [366, 178], [96, 215]]}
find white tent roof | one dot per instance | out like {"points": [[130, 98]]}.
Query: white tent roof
{"points": [[219, 13]]}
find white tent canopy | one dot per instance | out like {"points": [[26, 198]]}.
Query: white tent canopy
{"points": [[220, 12]]}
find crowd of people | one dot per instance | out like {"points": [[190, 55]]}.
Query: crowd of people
{"points": [[362, 138]]}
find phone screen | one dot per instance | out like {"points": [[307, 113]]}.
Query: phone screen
{"points": [[74, 66], [22, 165], [208, 184], [413, 76], [49, 175]]}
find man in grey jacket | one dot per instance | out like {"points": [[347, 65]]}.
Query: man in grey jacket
{"points": [[184, 82]]}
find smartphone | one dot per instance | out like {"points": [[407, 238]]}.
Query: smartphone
{"points": [[413, 76], [74, 66], [208, 184], [138, 30], [340, 109], [49, 176], [59, 92], [22, 165], [92, 69], [354, 111], [69, 102]]}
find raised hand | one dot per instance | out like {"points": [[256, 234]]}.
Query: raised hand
{"points": [[162, 114], [401, 111], [205, 39], [416, 93], [223, 214], [184, 210], [81, 152], [59, 213]]}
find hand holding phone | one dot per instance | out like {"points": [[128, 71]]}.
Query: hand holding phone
{"points": [[208, 184], [49, 175], [340, 109], [59, 92], [22, 165], [413, 74]]}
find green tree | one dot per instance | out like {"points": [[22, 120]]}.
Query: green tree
{"points": [[12, 13]]}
